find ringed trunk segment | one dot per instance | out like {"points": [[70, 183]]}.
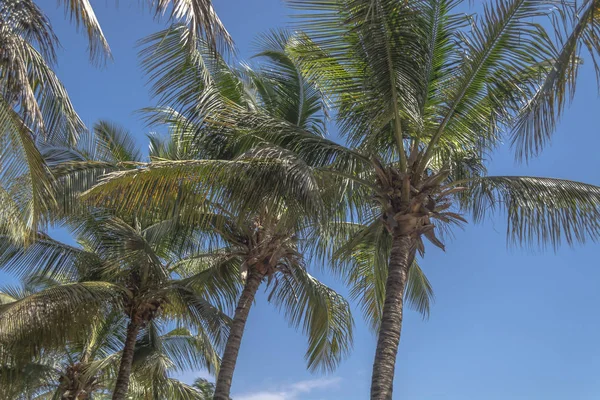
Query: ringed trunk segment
{"points": [[234, 341], [409, 202], [388, 340], [122, 385]]}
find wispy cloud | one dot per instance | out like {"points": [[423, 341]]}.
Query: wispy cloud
{"points": [[292, 391]]}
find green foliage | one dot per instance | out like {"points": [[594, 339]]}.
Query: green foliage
{"points": [[116, 266], [247, 178], [89, 365]]}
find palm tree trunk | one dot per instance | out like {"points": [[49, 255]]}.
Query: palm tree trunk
{"points": [[382, 380], [232, 348], [122, 384]]}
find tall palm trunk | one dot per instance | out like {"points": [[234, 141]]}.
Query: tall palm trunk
{"points": [[122, 384], [232, 348], [391, 320]]}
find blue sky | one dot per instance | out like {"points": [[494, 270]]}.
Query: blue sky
{"points": [[507, 323]]}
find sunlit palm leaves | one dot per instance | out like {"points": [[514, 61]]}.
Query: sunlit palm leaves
{"points": [[118, 268], [87, 366], [361, 257], [248, 184], [33, 106], [540, 211], [198, 15], [537, 117]]}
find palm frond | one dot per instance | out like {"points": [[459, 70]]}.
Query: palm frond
{"points": [[190, 352], [29, 324], [323, 314], [419, 293], [116, 142], [160, 184], [25, 185], [82, 13], [45, 257], [26, 20], [285, 91], [215, 275], [27, 381], [178, 65], [165, 388], [42, 99], [362, 261], [536, 119], [199, 17], [195, 311], [508, 39], [539, 210]]}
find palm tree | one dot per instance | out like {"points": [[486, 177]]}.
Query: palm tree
{"points": [[87, 369], [265, 241], [133, 265], [423, 100], [263, 246], [127, 264], [422, 97]]}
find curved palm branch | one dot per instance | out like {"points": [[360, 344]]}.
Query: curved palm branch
{"points": [[29, 81], [323, 314], [284, 89], [199, 16], [82, 13], [162, 182], [25, 185], [45, 257], [539, 210], [31, 321], [537, 118], [165, 388]]}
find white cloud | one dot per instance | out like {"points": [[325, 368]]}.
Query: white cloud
{"points": [[292, 391], [263, 396]]}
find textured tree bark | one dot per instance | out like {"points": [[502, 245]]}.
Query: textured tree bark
{"points": [[391, 320], [122, 384], [232, 348]]}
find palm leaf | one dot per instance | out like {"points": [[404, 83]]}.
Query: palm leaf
{"points": [[44, 258], [323, 314], [539, 210], [82, 13], [537, 118], [508, 39], [24, 180], [362, 260], [30, 322], [200, 18]]}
